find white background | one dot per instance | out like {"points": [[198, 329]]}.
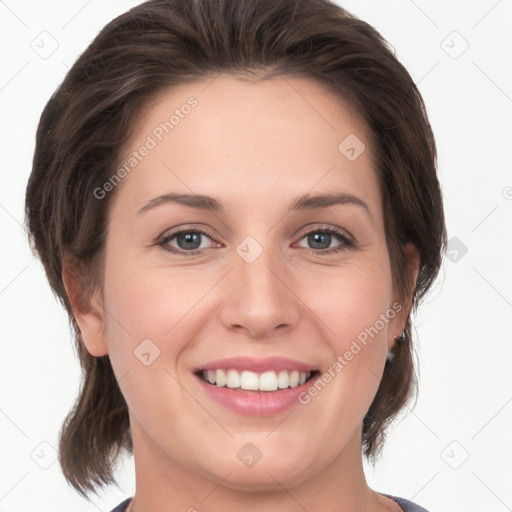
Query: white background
{"points": [[464, 408]]}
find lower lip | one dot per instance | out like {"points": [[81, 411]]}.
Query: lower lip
{"points": [[256, 403]]}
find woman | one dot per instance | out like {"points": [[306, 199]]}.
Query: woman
{"points": [[237, 204]]}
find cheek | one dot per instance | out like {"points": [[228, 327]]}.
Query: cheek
{"points": [[357, 311], [351, 299], [142, 300], [148, 327], [144, 304], [356, 308]]}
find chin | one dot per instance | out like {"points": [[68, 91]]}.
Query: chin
{"points": [[270, 473]]}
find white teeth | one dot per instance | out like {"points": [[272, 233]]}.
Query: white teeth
{"points": [[266, 381], [220, 378], [248, 380], [233, 379], [283, 380]]}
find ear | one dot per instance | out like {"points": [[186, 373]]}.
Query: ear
{"points": [[88, 311], [412, 268]]}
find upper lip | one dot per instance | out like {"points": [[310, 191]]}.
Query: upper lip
{"points": [[241, 363]]}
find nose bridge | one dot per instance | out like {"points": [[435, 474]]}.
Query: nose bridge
{"points": [[258, 298]]}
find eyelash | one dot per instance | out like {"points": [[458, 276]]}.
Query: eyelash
{"points": [[347, 242]]}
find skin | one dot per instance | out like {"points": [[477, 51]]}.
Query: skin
{"points": [[256, 146]]}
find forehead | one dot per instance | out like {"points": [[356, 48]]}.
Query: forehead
{"points": [[248, 140]]}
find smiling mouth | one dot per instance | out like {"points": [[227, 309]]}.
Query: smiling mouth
{"points": [[252, 381]]}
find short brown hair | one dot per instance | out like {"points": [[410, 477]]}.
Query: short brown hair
{"points": [[163, 43]]}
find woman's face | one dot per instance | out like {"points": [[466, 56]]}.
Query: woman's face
{"points": [[254, 275]]}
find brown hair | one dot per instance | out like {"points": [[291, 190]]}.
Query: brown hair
{"points": [[161, 43]]}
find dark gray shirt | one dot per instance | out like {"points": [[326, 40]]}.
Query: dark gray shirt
{"points": [[407, 506]]}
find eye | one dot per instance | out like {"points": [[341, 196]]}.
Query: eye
{"points": [[186, 240], [320, 239]]}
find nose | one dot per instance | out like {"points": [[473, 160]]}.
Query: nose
{"points": [[259, 298]]}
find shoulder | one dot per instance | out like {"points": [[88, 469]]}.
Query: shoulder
{"points": [[408, 506], [122, 506]]}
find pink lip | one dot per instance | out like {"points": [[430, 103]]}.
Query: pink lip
{"points": [[256, 403], [256, 365]]}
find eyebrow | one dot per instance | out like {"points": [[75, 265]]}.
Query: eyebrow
{"points": [[305, 202]]}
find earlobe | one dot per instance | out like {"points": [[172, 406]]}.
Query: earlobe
{"points": [[87, 310]]}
